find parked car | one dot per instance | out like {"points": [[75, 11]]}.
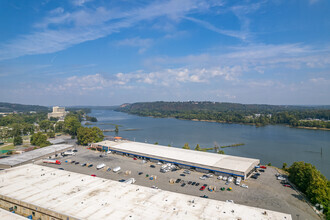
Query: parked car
{"points": [[244, 186], [205, 185], [152, 166], [224, 178], [190, 182], [222, 188], [76, 163], [75, 150], [90, 165], [182, 174], [254, 176], [205, 196], [93, 175], [287, 185], [61, 168], [219, 178], [202, 178], [140, 173], [193, 183], [73, 161], [186, 171], [183, 184], [263, 167], [178, 180], [84, 164], [197, 184], [262, 171], [134, 158], [109, 169], [202, 188]]}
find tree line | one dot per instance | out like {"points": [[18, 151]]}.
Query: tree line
{"points": [[259, 115]]}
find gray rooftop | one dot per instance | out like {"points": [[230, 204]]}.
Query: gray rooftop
{"points": [[6, 215], [191, 157], [86, 197], [34, 154]]}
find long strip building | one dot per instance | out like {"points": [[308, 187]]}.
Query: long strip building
{"points": [[40, 192], [190, 159]]}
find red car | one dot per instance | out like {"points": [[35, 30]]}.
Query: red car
{"points": [[93, 175], [134, 158], [202, 188], [263, 167], [287, 185]]}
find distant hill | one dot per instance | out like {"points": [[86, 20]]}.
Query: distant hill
{"points": [[212, 106], [295, 116], [10, 107]]}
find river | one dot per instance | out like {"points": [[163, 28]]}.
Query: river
{"points": [[273, 144]]}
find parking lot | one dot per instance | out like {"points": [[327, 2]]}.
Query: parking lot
{"points": [[265, 192]]}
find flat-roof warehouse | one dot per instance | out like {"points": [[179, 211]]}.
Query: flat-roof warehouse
{"points": [[27, 157], [49, 193], [201, 161]]}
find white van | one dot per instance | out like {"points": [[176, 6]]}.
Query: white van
{"points": [[116, 169], [130, 181], [69, 153], [100, 166]]}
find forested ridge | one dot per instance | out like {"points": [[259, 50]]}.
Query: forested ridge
{"points": [[305, 116], [11, 107]]}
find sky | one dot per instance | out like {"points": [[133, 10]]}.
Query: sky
{"points": [[103, 52]]}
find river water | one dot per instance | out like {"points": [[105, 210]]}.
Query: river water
{"points": [[273, 144]]}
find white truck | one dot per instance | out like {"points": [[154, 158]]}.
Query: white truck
{"points": [[238, 180], [100, 166], [130, 181], [116, 169], [69, 153]]}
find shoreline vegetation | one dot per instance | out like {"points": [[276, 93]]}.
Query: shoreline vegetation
{"points": [[303, 117], [233, 145]]}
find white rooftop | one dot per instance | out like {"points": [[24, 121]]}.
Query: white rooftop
{"points": [[34, 154], [4, 214], [240, 164], [87, 197]]}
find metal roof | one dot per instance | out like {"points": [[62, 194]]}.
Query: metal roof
{"points": [[34, 154], [190, 157], [10, 216], [86, 197]]}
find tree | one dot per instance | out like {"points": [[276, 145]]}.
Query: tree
{"points": [[284, 166], [59, 126], [44, 125], [71, 125], [156, 143], [39, 139], [221, 152], [18, 140], [87, 135], [269, 164], [198, 147], [51, 134], [116, 130], [186, 146], [311, 182]]}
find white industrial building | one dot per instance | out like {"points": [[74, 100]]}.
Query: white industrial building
{"points": [[49, 193], [58, 112], [29, 156], [201, 161]]}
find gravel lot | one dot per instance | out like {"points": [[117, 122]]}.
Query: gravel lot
{"points": [[265, 192]]}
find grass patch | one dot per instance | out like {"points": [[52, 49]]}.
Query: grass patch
{"points": [[8, 147]]}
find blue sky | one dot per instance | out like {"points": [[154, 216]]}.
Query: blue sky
{"points": [[89, 52]]}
